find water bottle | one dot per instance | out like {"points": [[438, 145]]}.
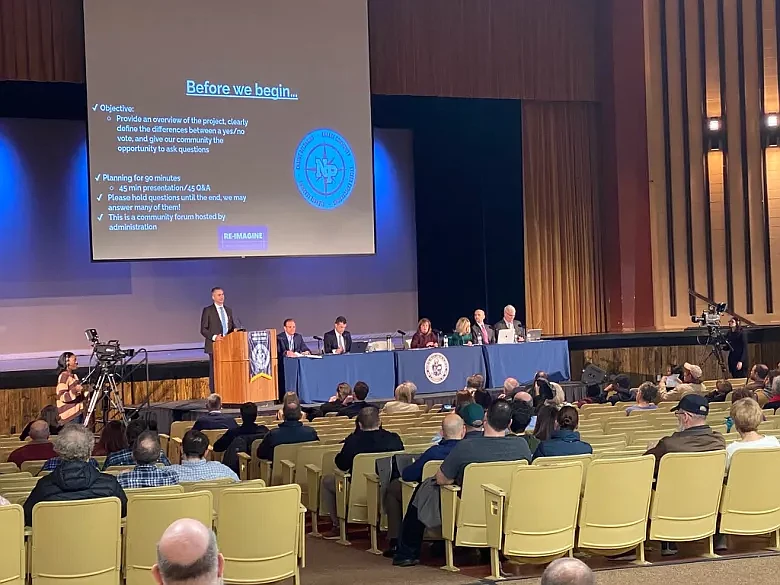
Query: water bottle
{"points": [[389, 343], [446, 341]]}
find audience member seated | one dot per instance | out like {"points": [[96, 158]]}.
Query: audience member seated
{"points": [[593, 395], [568, 571], [546, 418], [75, 478], [342, 398], [291, 430], [415, 399], [621, 387], [214, 419], [473, 416], [462, 334], [424, 336], [38, 449], [510, 388], [694, 436], [248, 427], [146, 474], [522, 413], [194, 466], [368, 438], [743, 392], [747, 415], [692, 375], [494, 445], [125, 456], [360, 391], [112, 439], [402, 402], [48, 413], [289, 397], [452, 431], [646, 398], [564, 440], [187, 555], [672, 377], [722, 390], [462, 399], [757, 382], [774, 401]]}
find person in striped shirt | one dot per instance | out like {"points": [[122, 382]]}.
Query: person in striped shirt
{"points": [[70, 393]]}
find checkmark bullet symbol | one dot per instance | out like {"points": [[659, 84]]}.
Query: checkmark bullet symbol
{"points": [[97, 177], [95, 107], [100, 197], [100, 217]]}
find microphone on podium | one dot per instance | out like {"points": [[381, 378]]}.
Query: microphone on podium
{"points": [[401, 333], [319, 343], [317, 337]]}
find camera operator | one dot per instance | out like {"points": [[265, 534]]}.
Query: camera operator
{"points": [[70, 393], [737, 338]]}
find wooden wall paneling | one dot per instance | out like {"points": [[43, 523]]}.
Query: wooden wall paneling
{"points": [[756, 234], [677, 160], [733, 127], [698, 205], [656, 162], [521, 49]]}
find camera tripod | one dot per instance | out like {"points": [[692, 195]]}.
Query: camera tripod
{"points": [[717, 344], [105, 390]]}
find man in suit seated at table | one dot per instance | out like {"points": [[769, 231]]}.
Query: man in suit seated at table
{"points": [[481, 332], [289, 342], [214, 419], [509, 322], [338, 339], [360, 392]]}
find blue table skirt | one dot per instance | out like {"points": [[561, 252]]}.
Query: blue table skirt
{"points": [[432, 370], [439, 369], [523, 360], [315, 380]]}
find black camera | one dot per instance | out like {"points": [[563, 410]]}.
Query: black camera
{"points": [[112, 352], [710, 317]]}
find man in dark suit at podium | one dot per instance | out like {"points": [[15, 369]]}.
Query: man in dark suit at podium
{"points": [[338, 339], [216, 321], [289, 342], [509, 322], [481, 332]]}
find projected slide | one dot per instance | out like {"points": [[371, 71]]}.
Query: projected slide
{"points": [[228, 129]]}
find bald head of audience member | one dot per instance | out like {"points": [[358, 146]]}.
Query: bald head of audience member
{"points": [[510, 387], [568, 571], [187, 553], [39, 431], [452, 427], [523, 396]]}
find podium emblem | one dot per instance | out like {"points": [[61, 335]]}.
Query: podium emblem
{"points": [[437, 368]]}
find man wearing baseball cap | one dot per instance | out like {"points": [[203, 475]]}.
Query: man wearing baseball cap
{"points": [[692, 375], [694, 436], [473, 415]]}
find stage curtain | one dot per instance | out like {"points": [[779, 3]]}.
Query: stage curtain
{"points": [[41, 40], [564, 278]]}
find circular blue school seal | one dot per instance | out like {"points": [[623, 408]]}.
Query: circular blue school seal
{"points": [[437, 368], [324, 168]]}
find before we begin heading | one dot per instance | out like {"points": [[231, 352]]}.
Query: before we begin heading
{"points": [[258, 91]]}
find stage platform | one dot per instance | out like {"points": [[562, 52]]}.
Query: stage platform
{"points": [[180, 372]]}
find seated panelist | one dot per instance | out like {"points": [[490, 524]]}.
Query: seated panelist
{"points": [[462, 335], [338, 340], [424, 336], [289, 342]]}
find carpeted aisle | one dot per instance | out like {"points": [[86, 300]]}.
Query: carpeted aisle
{"points": [[328, 563]]}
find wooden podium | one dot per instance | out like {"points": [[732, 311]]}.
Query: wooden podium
{"points": [[231, 370]]}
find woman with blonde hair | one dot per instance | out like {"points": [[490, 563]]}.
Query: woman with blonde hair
{"points": [[462, 335], [747, 416], [402, 402]]}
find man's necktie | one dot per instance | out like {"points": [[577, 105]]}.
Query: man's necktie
{"points": [[484, 334], [341, 342], [223, 318]]}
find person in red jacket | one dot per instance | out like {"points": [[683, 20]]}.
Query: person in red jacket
{"points": [[38, 449]]}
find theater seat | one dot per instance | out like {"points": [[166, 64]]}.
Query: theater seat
{"points": [[12, 553]]}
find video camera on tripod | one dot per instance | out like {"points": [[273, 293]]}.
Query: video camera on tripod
{"points": [[109, 353], [711, 317]]}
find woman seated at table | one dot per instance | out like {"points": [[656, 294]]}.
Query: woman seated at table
{"points": [[424, 337], [462, 335]]}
